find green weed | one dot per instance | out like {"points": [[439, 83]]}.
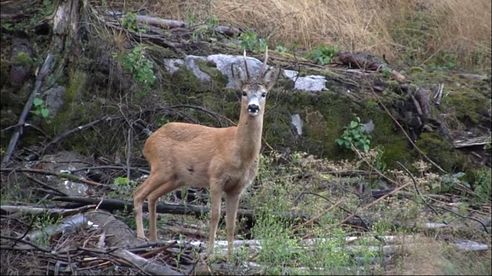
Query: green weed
{"points": [[140, 66], [322, 54], [250, 41], [354, 135], [40, 109]]}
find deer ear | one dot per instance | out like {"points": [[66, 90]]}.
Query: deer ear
{"points": [[238, 75], [270, 77]]}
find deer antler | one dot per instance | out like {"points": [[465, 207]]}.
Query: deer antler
{"points": [[263, 66], [245, 64]]}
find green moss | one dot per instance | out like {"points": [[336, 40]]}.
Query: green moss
{"points": [[218, 80], [23, 58], [72, 111], [469, 105], [183, 81], [442, 152], [4, 72]]}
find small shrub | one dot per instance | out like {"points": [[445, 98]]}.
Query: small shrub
{"points": [[281, 49], [354, 135], [249, 41], [482, 185], [23, 58], [124, 187], [322, 54], [129, 22], [140, 66], [42, 222], [40, 109]]}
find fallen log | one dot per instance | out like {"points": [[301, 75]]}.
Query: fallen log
{"points": [[166, 208], [43, 72], [33, 210], [150, 267]]}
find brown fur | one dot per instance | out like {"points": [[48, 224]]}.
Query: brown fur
{"points": [[223, 159]]}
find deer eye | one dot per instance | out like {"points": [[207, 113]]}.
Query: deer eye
{"points": [[263, 94], [244, 94]]}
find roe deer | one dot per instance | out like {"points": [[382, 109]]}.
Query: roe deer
{"points": [[223, 159]]}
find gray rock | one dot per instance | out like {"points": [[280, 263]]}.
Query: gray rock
{"points": [[313, 83], [66, 162], [21, 58], [54, 99], [191, 64], [173, 64], [368, 127], [296, 121], [223, 63]]}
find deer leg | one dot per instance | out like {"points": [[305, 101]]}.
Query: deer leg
{"points": [[215, 198], [139, 196], [153, 197], [232, 203]]}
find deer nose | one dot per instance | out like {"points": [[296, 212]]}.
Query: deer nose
{"points": [[253, 108]]}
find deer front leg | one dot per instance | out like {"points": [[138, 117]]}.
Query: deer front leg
{"points": [[215, 198], [232, 203]]}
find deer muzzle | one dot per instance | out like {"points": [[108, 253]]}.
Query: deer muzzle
{"points": [[253, 106]]}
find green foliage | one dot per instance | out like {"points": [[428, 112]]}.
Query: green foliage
{"points": [[129, 22], [40, 109], [322, 54], [41, 223], [22, 58], [441, 151], [140, 66], [378, 160], [124, 187], [354, 135], [279, 245], [281, 49], [448, 182], [212, 22], [482, 184], [444, 60], [121, 181], [249, 41], [386, 72]]}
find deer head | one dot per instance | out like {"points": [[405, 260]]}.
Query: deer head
{"points": [[254, 89]]}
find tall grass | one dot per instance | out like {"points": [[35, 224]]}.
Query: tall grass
{"points": [[421, 31]]}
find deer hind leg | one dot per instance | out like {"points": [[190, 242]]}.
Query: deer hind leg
{"points": [[153, 197], [215, 200], [142, 191], [232, 203]]}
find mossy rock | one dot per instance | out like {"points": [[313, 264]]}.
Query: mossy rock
{"points": [[470, 106], [74, 110], [442, 152]]}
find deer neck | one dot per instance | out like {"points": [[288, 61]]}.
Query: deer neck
{"points": [[248, 136]]}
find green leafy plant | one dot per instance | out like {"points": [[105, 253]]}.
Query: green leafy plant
{"points": [[121, 181], [23, 58], [354, 134], [249, 41], [212, 22], [378, 160], [386, 72], [322, 54], [140, 66], [43, 222], [482, 184], [281, 49], [40, 109], [129, 22], [124, 187]]}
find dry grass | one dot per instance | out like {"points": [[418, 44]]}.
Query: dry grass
{"points": [[459, 30], [431, 257]]}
